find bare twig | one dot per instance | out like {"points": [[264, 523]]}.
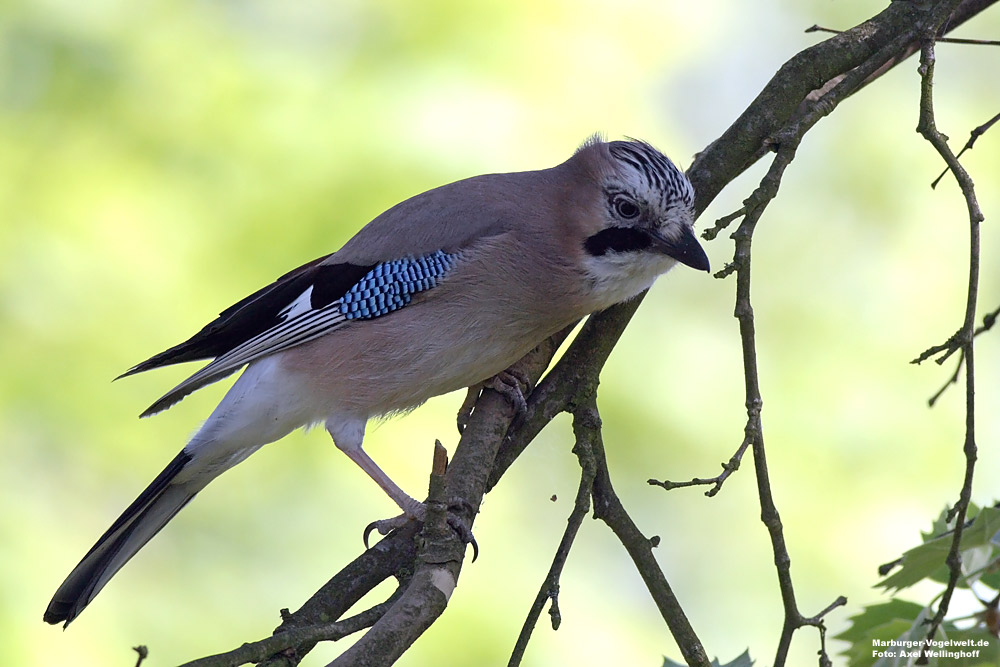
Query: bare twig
{"points": [[720, 224], [952, 379], [965, 337], [785, 142], [949, 40], [793, 619], [989, 319], [728, 469], [550, 587], [392, 556], [817, 622], [284, 643], [609, 509], [951, 346], [975, 134]]}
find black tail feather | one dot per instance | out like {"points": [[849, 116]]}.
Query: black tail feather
{"points": [[137, 524]]}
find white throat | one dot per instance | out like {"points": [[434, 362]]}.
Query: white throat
{"points": [[617, 277]]}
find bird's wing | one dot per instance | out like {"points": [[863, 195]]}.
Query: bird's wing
{"points": [[246, 318], [302, 305], [401, 252]]}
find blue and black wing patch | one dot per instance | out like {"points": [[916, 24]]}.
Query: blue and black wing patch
{"points": [[300, 306], [390, 285]]}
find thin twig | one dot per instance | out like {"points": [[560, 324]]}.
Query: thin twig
{"points": [[392, 557], [947, 348], [550, 587], [951, 346], [710, 233], [975, 134], [817, 622], [785, 143], [966, 336], [953, 379], [608, 508], [950, 40], [728, 469]]}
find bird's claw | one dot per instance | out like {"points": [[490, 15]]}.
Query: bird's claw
{"points": [[385, 526], [508, 384], [455, 513]]}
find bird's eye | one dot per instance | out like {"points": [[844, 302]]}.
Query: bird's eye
{"points": [[626, 208]]}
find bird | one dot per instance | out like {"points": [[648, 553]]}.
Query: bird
{"points": [[443, 291]]}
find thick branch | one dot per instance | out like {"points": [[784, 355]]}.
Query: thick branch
{"points": [[807, 75], [284, 643]]}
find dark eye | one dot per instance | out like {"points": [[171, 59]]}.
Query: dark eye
{"points": [[626, 208]]}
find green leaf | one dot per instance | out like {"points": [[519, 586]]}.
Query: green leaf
{"points": [[918, 563], [878, 623], [992, 577], [879, 614], [903, 621], [983, 656], [927, 561], [975, 561]]}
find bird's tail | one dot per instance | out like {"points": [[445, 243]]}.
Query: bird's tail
{"points": [[137, 525]]}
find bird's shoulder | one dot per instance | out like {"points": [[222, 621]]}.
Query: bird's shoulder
{"points": [[455, 216]]}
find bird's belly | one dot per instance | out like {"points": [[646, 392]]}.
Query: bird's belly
{"points": [[390, 365]]}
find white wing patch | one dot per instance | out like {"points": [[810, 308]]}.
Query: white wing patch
{"points": [[302, 304]]}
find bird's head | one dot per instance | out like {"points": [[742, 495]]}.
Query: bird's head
{"points": [[644, 222]]}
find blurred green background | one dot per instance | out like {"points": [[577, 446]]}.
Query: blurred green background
{"points": [[160, 160]]}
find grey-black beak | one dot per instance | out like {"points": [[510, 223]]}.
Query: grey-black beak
{"points": [[684, 249]]}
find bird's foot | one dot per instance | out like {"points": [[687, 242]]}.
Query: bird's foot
{"points": [[417, 512], [508, 384], [386, 526]]}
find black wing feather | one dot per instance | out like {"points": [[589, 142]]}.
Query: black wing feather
{"points": [[259, 312]]}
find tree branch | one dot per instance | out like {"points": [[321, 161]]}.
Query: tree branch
{"points": [[609, 509], [965, 337], [284, 643], [550, 587], [440, 553], [809, 86]]}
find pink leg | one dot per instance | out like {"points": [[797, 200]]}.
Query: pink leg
{"points": [[410, 506]]}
